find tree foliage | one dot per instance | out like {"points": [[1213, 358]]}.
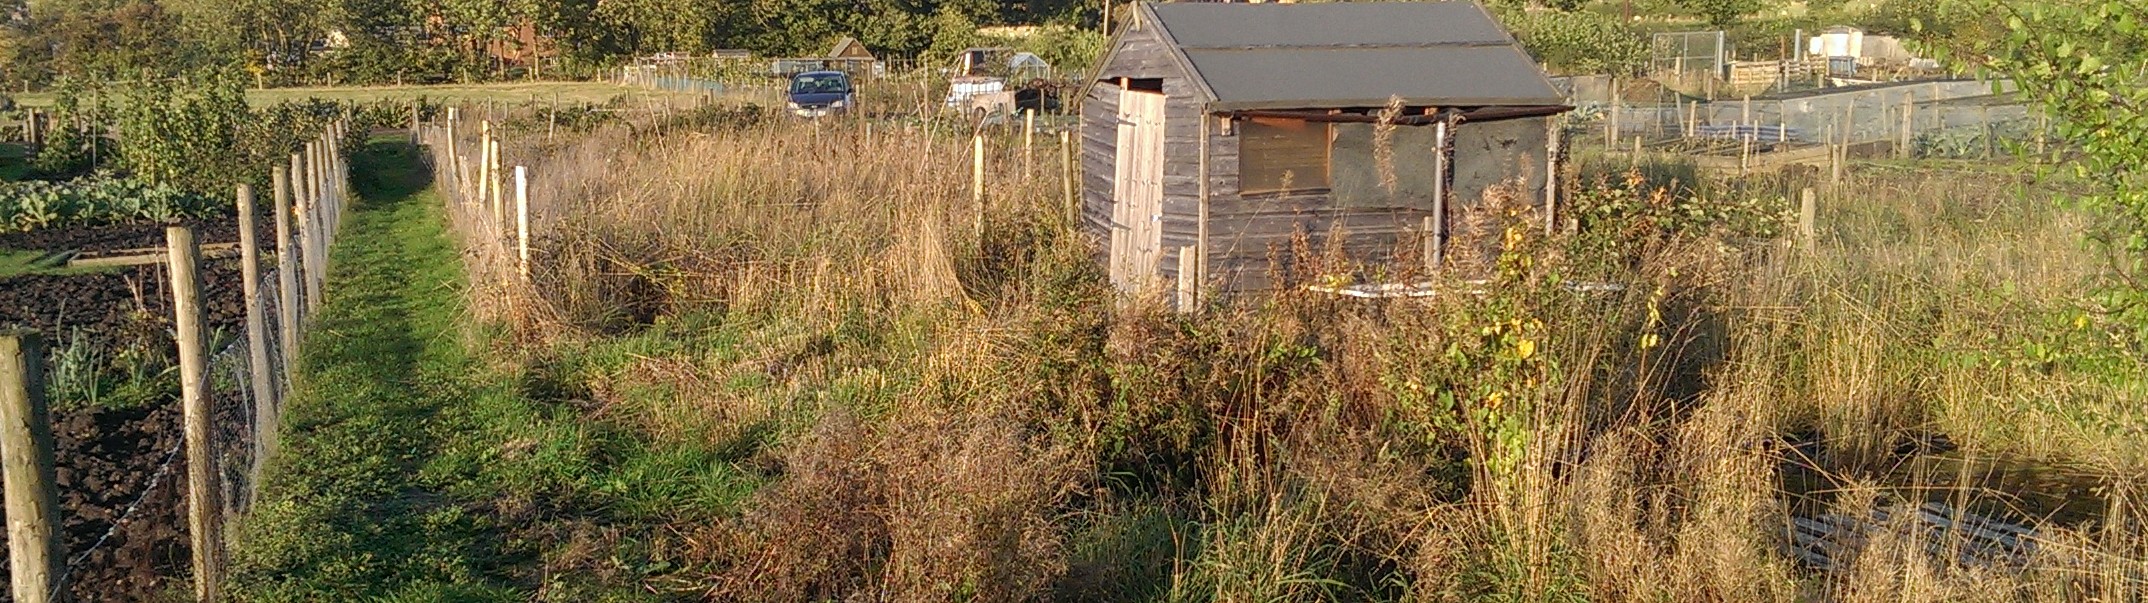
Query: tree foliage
{"points": [[381, 41], [1579, 42], [185, 135], [2086, 63], [1721, 14]]}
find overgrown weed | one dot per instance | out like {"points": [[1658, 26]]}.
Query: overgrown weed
{"points": [[941, 407]]}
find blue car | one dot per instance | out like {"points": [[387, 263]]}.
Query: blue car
{"points": [[821, 93]]}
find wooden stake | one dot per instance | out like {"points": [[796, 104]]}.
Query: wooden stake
{"points": [[1849, 125], [32, 133], [1431, 242], [977, 182], [454, 148], [1745, 119], [286, 274], [309, 238], [257, 341], [205, 506], [1834, 158], [1551, 173], [1066, 179], [35, 551], [2043, 122], [1029, 142], [1807, 215], [1745, 156], [1436, 224], [522, 220], [1188, 278], [1909, 121], [484, 165], [494, 178]]}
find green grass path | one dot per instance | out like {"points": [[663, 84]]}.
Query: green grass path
{"points": [[375, 496]]}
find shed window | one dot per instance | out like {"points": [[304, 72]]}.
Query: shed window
{"points": [[1283, 156]]}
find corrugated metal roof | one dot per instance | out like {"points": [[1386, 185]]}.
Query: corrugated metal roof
{"points": [[1214, 25], [1334, 55]]}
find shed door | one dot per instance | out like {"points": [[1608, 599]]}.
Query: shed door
{"points": [[1137, 211]]}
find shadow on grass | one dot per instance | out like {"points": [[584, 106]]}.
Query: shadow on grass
{"points": [[351, 510]]}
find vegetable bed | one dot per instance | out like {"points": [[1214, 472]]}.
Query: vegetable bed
{"points": [[116, 416]]}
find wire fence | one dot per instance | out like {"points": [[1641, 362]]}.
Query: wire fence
{"points": [[233, 385], [1933, 119]]}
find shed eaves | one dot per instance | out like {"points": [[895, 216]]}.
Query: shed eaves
{"points": [[1335, 55]]}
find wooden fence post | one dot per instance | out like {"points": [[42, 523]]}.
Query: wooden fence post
{"points": [[1849, 124], [522, 221], [2043, 125], [205, 507], [31, 133], [499, 205], [1909, 121], [1834, 158], [308, 239], [286, 274], [454, 149], [1551, 173], [329, 196], [257, 343], [1066, 179], [1808, 208], [26, 460], [334, 150], [1431, 242], [1189, 279], [484, 163], [1436, 224], [1029, 142], [977, 182], [321, 197]]}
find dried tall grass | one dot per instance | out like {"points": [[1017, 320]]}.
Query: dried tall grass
{"points": [[1300, 447]]}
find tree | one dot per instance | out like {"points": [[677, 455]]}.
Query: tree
{"points": [[14, 14], [2082, 60], [1721, 14]]}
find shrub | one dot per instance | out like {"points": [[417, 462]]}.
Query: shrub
{"points": [[1579, 42]]}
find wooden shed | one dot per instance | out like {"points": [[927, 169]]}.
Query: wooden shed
{"points": [[851, 48], [1213, 134]]}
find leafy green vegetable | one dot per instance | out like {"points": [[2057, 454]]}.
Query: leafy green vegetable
{"points": [[96, 201]]}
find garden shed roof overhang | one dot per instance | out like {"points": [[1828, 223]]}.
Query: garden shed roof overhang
{"points": [[1343, 55]]}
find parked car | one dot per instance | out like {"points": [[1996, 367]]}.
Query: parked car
{"points": [[821, 93]]}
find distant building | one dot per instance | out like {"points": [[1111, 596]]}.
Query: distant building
{"points": [[851, 48]]}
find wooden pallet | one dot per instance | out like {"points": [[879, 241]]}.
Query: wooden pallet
{"points": [[1829, 542]]}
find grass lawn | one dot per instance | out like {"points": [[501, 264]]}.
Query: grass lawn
{"points": [[421, 460], [565, 92], [349, 508]]}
